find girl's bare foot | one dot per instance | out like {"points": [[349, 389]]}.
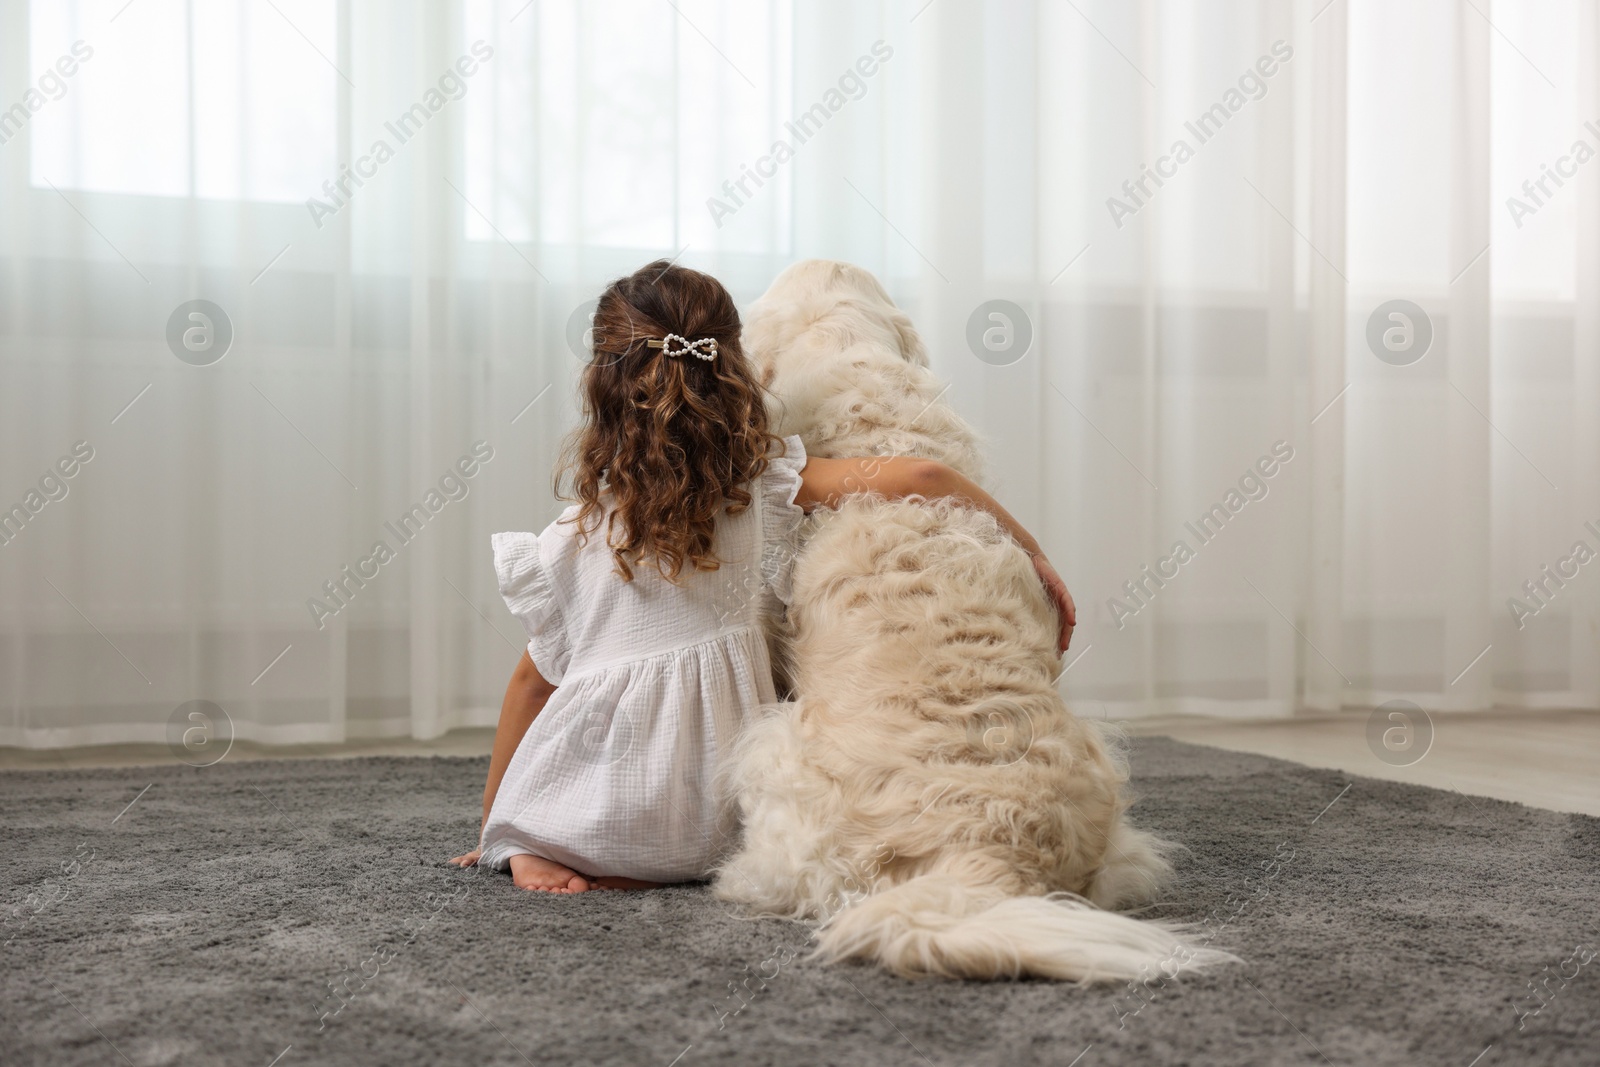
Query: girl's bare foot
{"points": [[546, 876]]}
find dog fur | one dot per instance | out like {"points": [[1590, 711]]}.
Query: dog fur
{"points": [[928, 796]]}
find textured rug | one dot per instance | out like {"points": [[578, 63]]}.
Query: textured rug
{"points": [[299, 912]]}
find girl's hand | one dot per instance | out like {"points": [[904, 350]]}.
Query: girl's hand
{"points": [[468, 860], [1056, 589]]}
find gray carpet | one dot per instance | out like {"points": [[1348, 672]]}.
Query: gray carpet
{"points": [[209, 922]]}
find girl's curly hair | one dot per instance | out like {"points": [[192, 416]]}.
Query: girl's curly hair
{"points": [[672, 439]]}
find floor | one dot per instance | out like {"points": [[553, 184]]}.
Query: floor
{"points": [[300, 913], [1541, 758], [1545, 759]]}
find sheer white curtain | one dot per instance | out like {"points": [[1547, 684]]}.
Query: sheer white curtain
{"points": [[397, 211]]}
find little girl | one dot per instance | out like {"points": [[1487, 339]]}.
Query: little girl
{"points": [[644, 602]]}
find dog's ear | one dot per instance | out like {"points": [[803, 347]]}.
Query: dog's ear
{"points": [[911, 346], [866, 283]]}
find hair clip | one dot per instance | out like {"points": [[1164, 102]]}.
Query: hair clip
{"points": [[705, 348]]}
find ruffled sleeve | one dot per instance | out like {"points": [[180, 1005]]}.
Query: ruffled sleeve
{"points": [[781, 517], [526, 586]]}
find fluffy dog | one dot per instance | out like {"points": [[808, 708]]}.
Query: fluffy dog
{"points": [[928, 796]]}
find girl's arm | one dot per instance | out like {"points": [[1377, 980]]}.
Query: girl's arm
{"points": [[826, 482], [526, 696]]}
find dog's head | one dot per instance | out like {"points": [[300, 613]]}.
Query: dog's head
{"points": [[846, 371], [819, 307]]}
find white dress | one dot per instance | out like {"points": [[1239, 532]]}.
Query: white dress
{"points": [[654, 681]]}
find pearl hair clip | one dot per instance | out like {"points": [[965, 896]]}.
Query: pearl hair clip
{"points": [[705, 348]]}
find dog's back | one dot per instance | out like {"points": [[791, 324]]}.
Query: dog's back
{"points": [[927, 669]]}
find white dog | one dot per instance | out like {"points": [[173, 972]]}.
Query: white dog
{"points": [[929, 796]]}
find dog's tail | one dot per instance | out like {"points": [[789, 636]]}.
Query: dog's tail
{"points": [[938, 924]]}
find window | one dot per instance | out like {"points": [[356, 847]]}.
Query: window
{"points": [[612, 123], [223, 99]]}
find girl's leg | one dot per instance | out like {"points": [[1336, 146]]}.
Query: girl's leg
{"points": [[526, 695]]}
